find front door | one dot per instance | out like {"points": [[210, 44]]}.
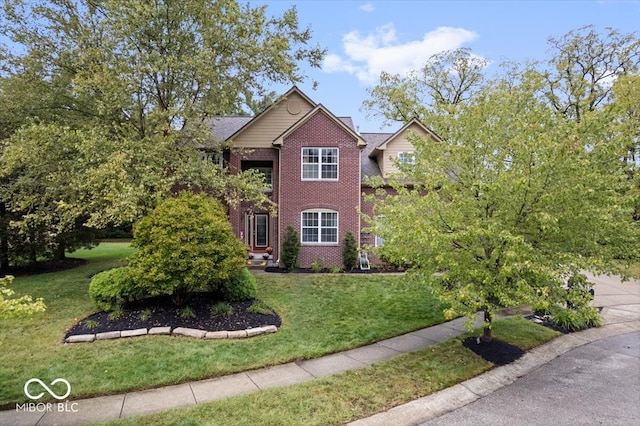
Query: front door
{"points": [[257, 231]]}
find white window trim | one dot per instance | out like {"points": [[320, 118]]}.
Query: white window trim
{"points": [[320, 178], [407, 157], [216, 158], [378, 241], [320, 243]]}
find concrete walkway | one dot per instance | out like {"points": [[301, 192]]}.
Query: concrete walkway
{"points": [[621, 312]]}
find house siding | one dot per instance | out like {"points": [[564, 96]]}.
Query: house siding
{"points": [[342, 196], [399, 143], [274, 122]]}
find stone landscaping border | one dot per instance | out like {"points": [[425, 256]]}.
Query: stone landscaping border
{"points": [[178, 331]]}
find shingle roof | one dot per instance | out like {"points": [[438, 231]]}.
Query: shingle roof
{"points": [[224, 127], [348, 121], [370, 166]]}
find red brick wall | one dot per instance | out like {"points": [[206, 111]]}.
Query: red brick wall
{"points": [[342, 196], [237, 215]]}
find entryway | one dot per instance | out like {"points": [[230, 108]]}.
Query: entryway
{"points": [[257, 231]]}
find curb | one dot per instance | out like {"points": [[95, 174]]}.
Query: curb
{"points": [[435, 405], [178, 331]]}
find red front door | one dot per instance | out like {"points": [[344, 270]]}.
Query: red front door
{"points": [[257, 231]]}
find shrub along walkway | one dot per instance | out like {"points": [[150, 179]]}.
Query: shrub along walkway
{"points": [[621, 303]]}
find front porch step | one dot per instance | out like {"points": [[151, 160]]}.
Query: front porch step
{"points": [[259, 262]]}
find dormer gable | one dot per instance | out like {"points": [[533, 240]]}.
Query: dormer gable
{"points": [[398, 146]]}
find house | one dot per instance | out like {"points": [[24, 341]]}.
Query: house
{"points": [[316, 167]]}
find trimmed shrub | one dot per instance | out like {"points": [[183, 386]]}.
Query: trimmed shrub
{"points": [[290, 248], [241, 286], [185, 245], [349, 252], [110, 290]]}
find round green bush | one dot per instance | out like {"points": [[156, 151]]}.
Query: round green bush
{"points": [[185, 245], [111, 289], [241, 286]]}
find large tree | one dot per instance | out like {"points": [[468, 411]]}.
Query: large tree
{"points": [[447, 80], [514, 202], [137, 81], [519, 197], [583, 66], [159, 66]]}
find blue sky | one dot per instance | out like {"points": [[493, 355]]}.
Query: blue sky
{"points": [[366, 37]]}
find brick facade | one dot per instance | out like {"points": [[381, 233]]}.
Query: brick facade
{"points": [[342, 196], [275, 139]]}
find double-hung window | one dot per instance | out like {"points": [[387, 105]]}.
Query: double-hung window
{"points": [[407, 157], [319, 163], [319, 227]]}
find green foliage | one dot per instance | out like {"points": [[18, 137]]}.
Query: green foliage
{"points": [[186, 245], [317, 265], [575, 319], [116, 314], [240, 286], [17, 307], [349, 251], [259, 307], [335, 269], [43, 205], [221, 308], [290, 248], [110, 290], [102, 137], [187, 312], [523, 190], [577, 314], [145, 315], [90, 324]]}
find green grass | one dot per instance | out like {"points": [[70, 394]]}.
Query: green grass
{"points": [[320, 313], [354, 394], [634, 270]]}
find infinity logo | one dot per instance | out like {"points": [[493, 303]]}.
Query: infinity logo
{"points": [[41, 383]]}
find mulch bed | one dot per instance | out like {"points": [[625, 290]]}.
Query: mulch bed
{"points": [[496, 351], [162, 312]]}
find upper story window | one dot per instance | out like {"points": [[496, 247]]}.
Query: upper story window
{"points": [[267, 173], [213, 157], [407, 157], [319, 163], [265, 168], [319, 227]]}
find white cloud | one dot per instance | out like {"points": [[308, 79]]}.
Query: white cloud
{"points": [[367, 7], [367, 56]]}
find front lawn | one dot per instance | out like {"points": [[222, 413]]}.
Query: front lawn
{"points": [[353, 394], [320, 314]]}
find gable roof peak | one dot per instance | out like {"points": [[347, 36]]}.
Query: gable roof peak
{"points": [[319, 107]]}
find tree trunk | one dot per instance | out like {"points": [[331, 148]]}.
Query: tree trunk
{"points": [[4, 237], [61, 251], [487, 336]]}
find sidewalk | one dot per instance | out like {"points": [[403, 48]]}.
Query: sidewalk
{"points": [[621, 312]]}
